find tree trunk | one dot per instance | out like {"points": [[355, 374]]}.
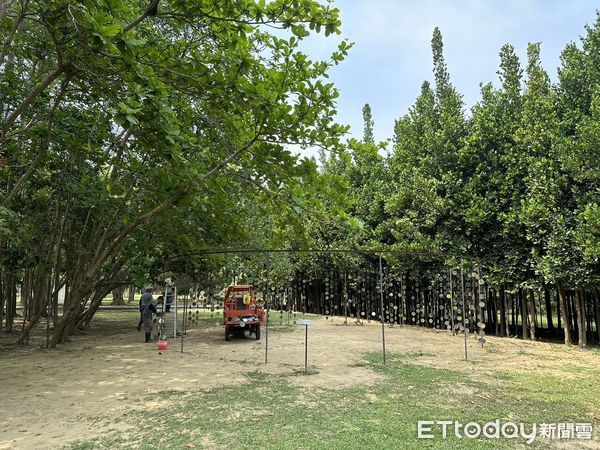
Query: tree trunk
{"points": [[2, 300], [523, 301], [11, 302], [118, 298], [494, 314], [50, 298], [131, 294], [504, 318], [84, 318], [548, 308], [571, 298], [558, 313], [581, 317], [69, 314], [25, 288], [533, 314], [566, 320], [597, 308], [502, 300], [513, 311], [78, 290]]}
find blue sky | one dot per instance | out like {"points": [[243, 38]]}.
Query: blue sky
{"points": [[392, 55]]}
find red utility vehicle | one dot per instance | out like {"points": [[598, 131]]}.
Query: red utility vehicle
{"points": [[241, 312]]}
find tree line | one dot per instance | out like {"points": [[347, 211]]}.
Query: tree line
{"points": [[514, 181]]}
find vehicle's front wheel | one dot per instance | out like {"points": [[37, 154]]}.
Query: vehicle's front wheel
{"points": [[257, 332], [226, 333]]}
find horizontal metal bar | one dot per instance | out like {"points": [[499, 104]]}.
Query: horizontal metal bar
{"points": [[357, 251]]}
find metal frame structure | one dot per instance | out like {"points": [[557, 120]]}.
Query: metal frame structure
{"points": [[365, 252]]}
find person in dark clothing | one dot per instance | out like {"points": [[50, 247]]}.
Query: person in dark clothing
{"points": [[169, 301], [150, 309], [144, 300]]}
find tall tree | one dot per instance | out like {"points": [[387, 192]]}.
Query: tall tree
{"points": [[368, 137]]}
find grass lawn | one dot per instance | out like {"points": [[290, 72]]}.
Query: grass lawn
{"points": [[106, 388], [269, 411]]}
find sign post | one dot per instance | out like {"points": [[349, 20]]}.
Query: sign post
{"points": [[306, 324]]}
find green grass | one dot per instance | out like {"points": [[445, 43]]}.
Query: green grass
{"points": [[269, 411]]}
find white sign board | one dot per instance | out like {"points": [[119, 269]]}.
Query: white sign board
{"points": [[306, 322]]}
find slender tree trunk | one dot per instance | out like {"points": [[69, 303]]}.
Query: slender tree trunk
{"points": [[566, 320], [504, 316], [548, 308], [11, 302], [25, 288], [597, 308], [40, 298], [539, 314], [523, 301], [571, 298], [494, 313], [581, 317], [558, 312], [533, 313], [513, 309], [2, 300]]}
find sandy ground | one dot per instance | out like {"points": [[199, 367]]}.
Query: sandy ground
{"points": [[61, 395]]}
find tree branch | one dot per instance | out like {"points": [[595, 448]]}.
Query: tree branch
{"points": [[150, 11], [44, 148], [8, 123], [168, 203]]}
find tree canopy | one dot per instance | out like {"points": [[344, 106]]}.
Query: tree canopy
{"points": [[133, 133]]}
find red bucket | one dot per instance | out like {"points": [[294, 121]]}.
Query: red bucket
{"points": [[162, 345]]}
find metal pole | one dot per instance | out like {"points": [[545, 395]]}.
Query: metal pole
{"points": [[267, 336], [382, 316], [185, 297], [479, 317], [305, 348], [464, 306], [186, 309], [345, 298], [402, 300], [267, 319], [451, 305], [175, 312], [162, 320]]}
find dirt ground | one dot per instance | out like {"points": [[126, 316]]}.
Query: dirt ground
{"points": [[59, 396]]}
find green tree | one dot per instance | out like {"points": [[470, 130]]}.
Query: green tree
{"points": [[126, 115]]}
